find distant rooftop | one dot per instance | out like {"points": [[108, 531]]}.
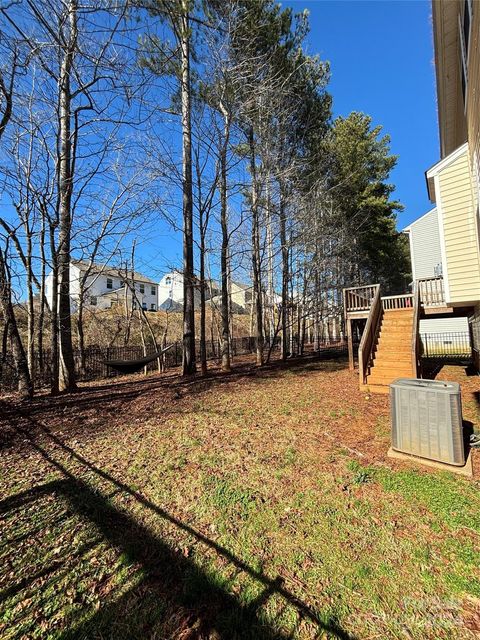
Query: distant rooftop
{"points": [[116, 272]]}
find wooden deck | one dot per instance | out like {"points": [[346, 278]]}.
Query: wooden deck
{"points": [[390, 344]]}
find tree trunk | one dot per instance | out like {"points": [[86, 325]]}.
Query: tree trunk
{"points": [[80, 333], [203, 336], [270, 306], [41, 313], [285, 273], [188, 362], [67, 365], [54, 381], [30, 306], [257, 284], [25, 386], [226, 365]]}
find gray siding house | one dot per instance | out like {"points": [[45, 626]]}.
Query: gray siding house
{"points": [[427, 262], [425, 248]]}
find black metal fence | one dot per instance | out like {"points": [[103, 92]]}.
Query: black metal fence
{"points": [[446, 346], [95, 356]]}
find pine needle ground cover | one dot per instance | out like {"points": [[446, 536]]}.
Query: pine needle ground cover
{"points": [[256, 505]]}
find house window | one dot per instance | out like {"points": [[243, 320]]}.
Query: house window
{"points": [[152, 306], [153, 290], [142, 288], [93, 301], [168, 280], [109, 283], [144, 306]]}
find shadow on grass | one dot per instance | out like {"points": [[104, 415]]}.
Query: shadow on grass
{"points": [[174, 591]]}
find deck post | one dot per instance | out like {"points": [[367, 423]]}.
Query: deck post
{"points": [[348, 329], [351, 364]]}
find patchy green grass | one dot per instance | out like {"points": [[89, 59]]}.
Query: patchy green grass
{"points": [[260, 507]]}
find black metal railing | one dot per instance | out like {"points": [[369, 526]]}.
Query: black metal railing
{"points": [[95, 356], [451, 345]]}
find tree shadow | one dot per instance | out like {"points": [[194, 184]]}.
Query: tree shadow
{"points": [[175, 594]]}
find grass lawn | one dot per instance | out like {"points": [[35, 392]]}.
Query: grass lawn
{"points": [[257, 505]]}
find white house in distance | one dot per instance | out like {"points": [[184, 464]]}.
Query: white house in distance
{"points": [[170, 293], [105, 288]]}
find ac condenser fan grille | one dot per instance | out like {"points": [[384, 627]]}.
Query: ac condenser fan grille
{"points": [[427, 420]]}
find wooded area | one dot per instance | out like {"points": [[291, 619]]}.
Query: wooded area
{"points": [[210, 115]]}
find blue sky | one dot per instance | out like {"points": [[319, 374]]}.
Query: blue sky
{"points": [[381, 55]]}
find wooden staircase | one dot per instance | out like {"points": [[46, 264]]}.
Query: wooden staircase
{"points": [[392, 350]]}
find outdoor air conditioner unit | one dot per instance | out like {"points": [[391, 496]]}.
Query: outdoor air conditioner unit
{"points": [[427, 419]]}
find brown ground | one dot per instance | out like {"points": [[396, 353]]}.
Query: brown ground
{"points": [[272, 485], [110, 404]]}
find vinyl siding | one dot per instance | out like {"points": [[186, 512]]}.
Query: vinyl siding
{"points": [[460, 231], [425, 246], [443, 325]]}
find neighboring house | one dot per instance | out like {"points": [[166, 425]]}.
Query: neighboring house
{"points": [[445, 242], [241, 296], [105, 287], [170, 293], [425, 250]]}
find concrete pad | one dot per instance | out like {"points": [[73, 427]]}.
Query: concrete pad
{"points": [[466, 470]]}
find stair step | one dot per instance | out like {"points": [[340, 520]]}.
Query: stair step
{"points": [[392, 366], [393, 362], [396, 323], [398, 320], [385, 351], [375, 388], [389, 374], [385, 379], [394, 331]]}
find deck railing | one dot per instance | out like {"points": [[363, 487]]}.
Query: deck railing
{"points": [[393, 303], [450, 345], [432, 292], [360, 298], [369, 336]]}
